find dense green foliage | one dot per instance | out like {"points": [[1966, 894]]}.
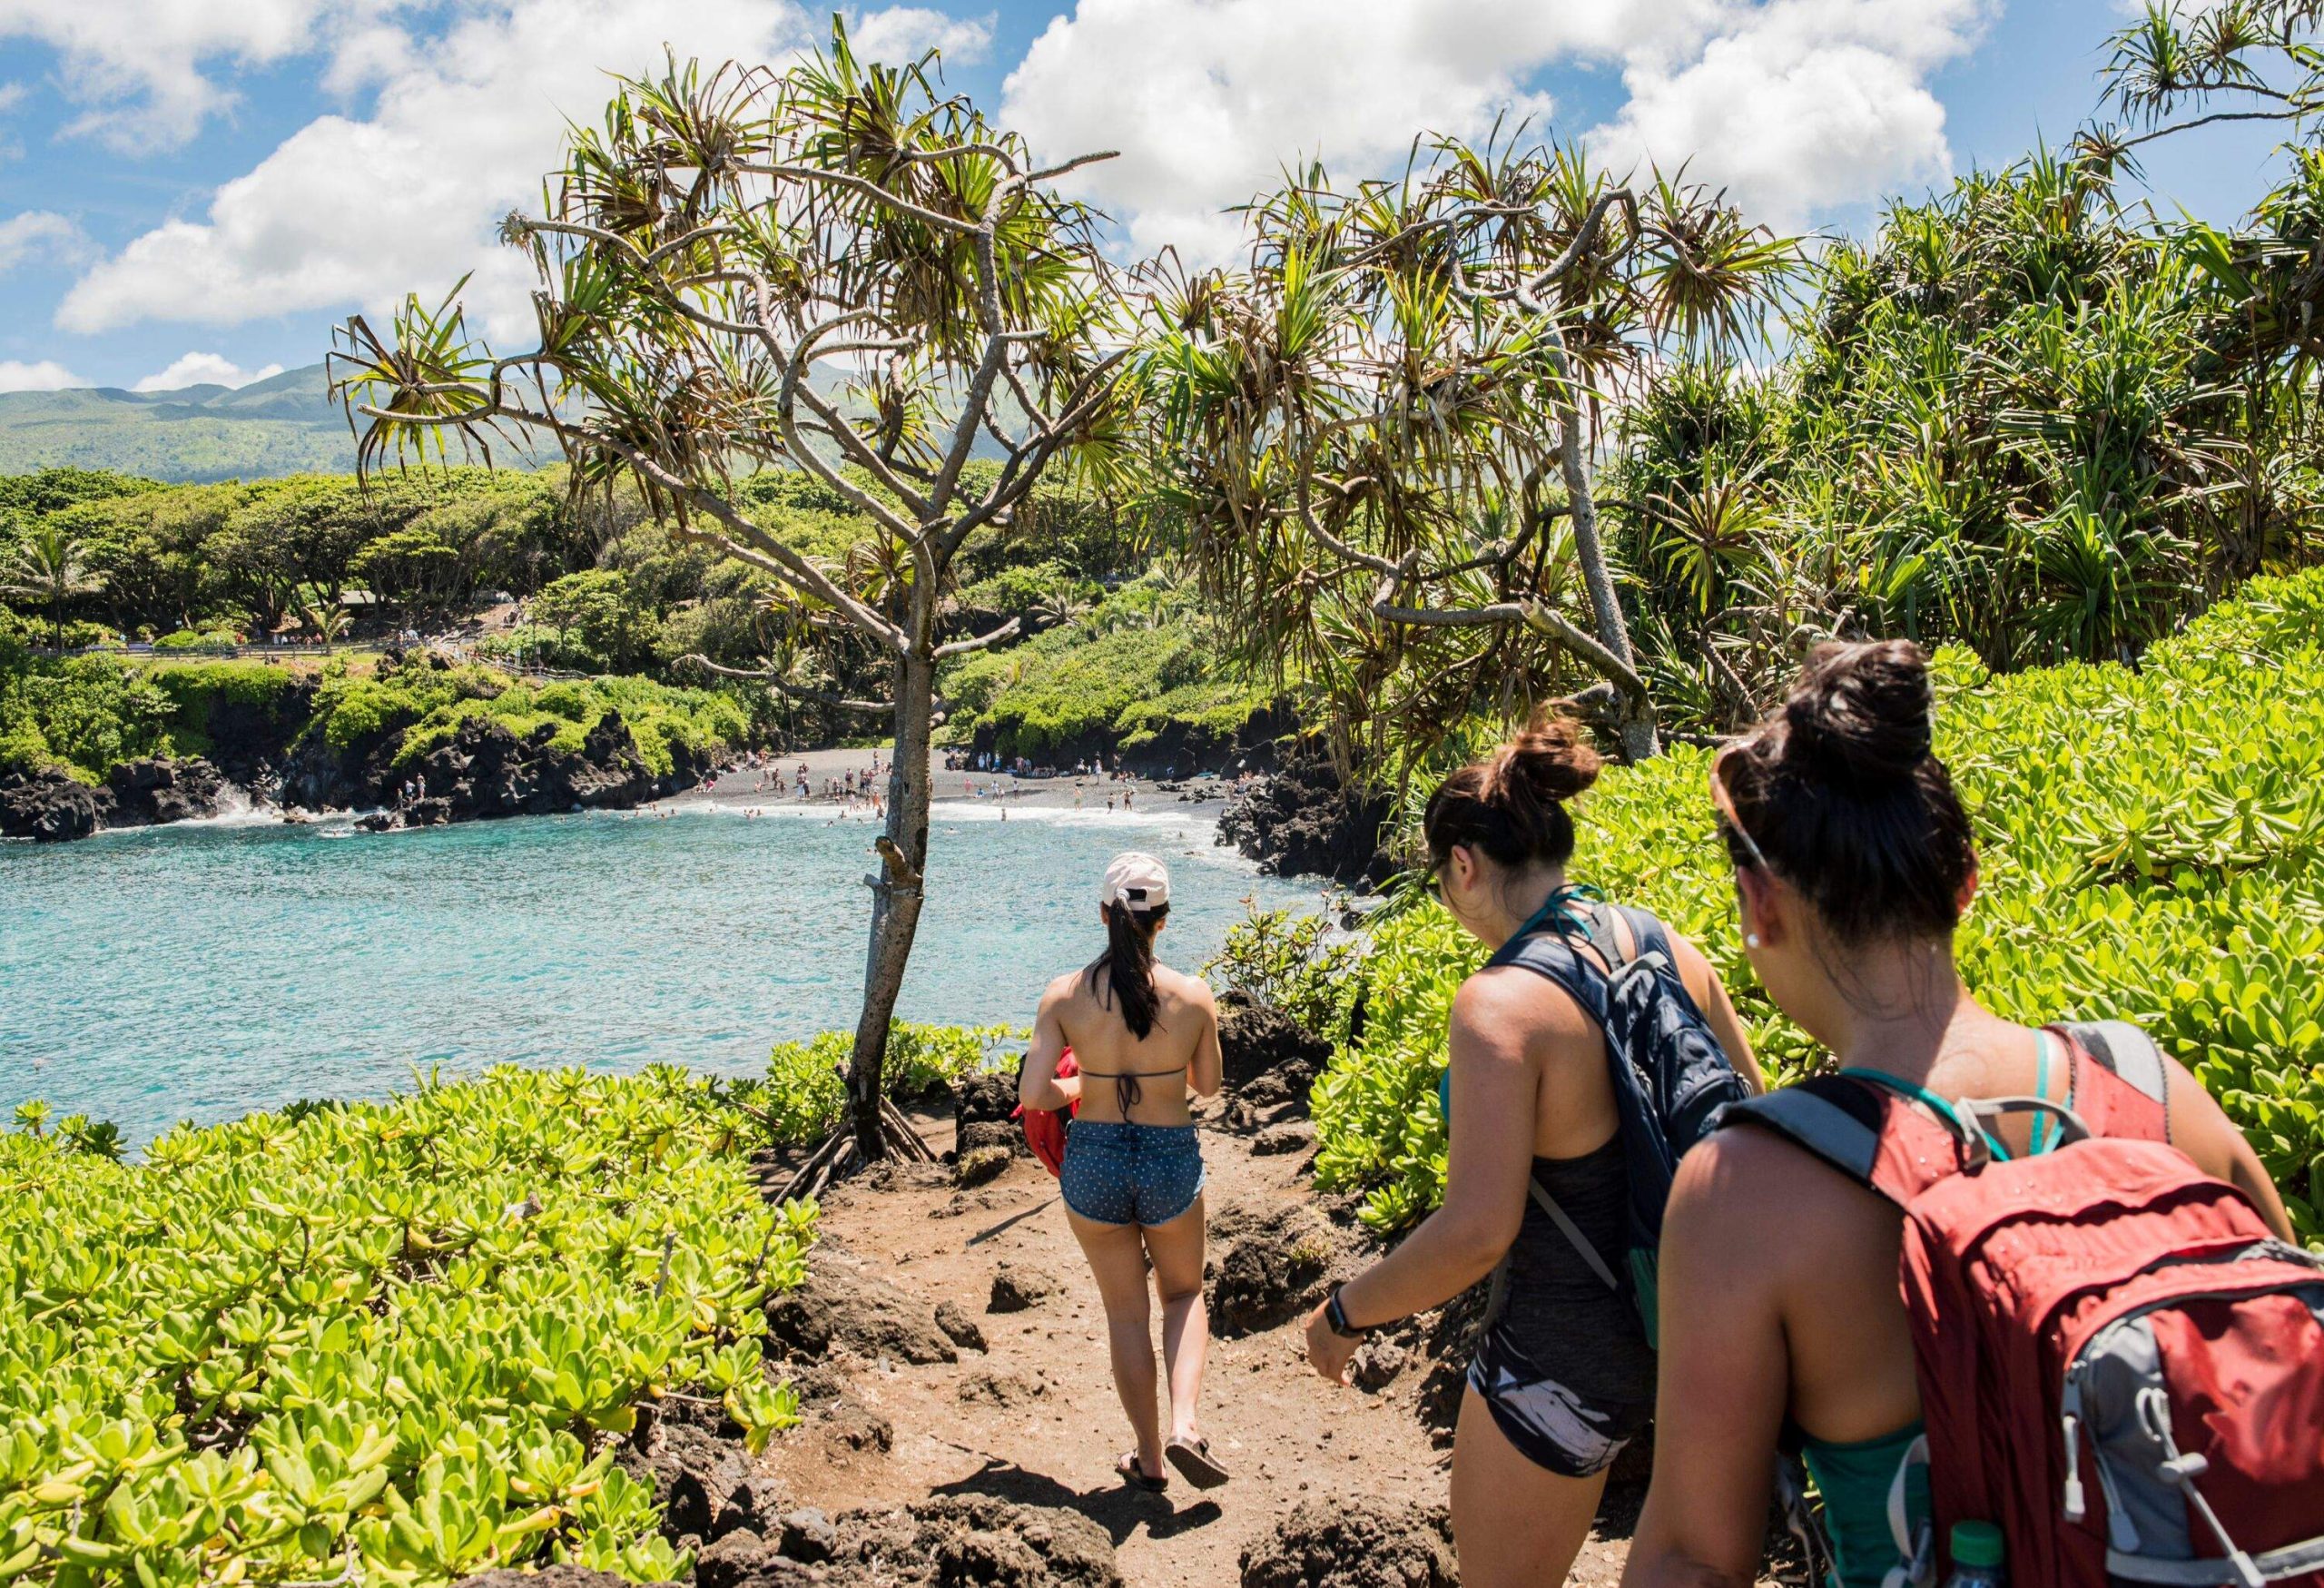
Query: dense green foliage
{"points": [[85, 714], [2152, 846], [1137, 665], [428, 705], [397, 1340], [804, 1096], [2021, 418]]}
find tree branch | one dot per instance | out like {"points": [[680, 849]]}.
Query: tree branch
{"points": [[2225, 115], [773, 680], [962, 647], [778, 558]]}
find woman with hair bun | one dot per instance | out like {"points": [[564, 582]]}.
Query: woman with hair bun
{"points": [[1782, 1313], [1132, 1177], [1562, 1376]]}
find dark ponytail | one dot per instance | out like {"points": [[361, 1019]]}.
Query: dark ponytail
{"points": [[1126, 970], [1511, 804], [1844, 795]]}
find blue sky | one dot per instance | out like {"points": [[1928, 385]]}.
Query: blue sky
{"points": [[200, 188]]}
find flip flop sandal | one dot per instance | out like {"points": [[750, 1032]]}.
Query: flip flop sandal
{"points": [[1191, 1457], [1130, 1473]]}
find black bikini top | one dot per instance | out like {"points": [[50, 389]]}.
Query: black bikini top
{"points": [[1126, 1088]]}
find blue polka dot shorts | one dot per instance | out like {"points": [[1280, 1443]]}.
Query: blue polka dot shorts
{"points": [[1117, 1172]]}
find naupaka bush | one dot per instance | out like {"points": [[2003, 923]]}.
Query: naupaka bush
{"points": [[2153, 847], [399, 1341]]}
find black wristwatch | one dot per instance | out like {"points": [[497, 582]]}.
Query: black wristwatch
{"points": [[1335, 1317]]}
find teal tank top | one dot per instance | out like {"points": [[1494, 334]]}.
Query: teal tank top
{"points": [[1854, 1478]]}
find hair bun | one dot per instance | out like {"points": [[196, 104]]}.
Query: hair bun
{"points": [[1550, 758], [1861, 712]]}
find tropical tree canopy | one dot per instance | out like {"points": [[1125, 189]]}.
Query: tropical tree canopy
{"points": [[49, 568], [1380, 429], [836, 270]]}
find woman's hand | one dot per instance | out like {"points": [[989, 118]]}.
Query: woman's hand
{"points": [[1328, 1351]]}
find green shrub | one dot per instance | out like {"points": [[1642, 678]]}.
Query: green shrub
{"points": [[81, 715], [1136, 667], [804, 1097], [398, 1341], [1291, 962], [2152, 846]]}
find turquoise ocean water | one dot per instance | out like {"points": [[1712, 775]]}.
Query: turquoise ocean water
{"points": [[203, 970]]}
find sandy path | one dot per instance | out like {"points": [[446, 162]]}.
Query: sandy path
{"points": [[1286, 1435]]}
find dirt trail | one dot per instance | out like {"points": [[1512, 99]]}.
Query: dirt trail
{"points": [[1032, 1417]]}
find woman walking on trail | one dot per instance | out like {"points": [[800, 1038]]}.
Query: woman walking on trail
{"points": [[1853, 862], [1562, 1377], [1148, 1036]]}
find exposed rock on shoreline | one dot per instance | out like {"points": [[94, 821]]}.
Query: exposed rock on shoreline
{"points": [[145, 793], [1306, 820], [46, 806], [51, 807], [486, 771]]}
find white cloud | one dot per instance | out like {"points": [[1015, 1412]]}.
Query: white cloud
{"points": [[139, 65], [1799, 104], [1803, 105], [41, 236], [903, 33], [12, 95], [203, 369], [48, 375], [467, 121]]}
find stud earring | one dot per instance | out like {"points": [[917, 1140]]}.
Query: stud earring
{"points": [[1750, 939]]}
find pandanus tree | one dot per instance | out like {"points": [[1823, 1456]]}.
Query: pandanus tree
{"points": [[2181, 67], [833, 268], [1381, 429]]}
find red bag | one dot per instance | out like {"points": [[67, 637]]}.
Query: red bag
{"points": [[1045, 1127], [2118, 1363]]}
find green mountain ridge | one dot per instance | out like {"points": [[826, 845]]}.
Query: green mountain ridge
{"points": [[284, 424]]}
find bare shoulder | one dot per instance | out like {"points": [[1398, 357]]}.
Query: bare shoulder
{"points": [[1063, 990], [1508, 1002], [1194, 989], [1748, 1196]]}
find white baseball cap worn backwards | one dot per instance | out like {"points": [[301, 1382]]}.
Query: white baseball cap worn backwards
{"points": [[1138, 880]]}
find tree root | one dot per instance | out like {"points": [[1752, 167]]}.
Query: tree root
{"points": [[838, 1153]]}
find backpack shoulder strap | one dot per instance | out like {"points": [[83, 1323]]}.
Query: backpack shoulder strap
{"points": [[2134, 1099], [1647, 936], [1550, 956], [1878, 1139]]}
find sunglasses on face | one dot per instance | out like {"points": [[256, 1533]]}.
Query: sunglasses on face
{"points": [[1731, 826]]}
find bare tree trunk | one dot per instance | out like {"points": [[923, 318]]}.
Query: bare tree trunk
{"points": [[895, 893], [1639, 741]]}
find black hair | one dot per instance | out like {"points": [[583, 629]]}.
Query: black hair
{"points": [[1126, 970], [1842, 791], [1511, 804]]}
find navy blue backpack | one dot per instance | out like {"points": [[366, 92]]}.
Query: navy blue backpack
{"points": [[1669, 1075]]}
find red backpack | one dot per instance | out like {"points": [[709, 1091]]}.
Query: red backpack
{"points": [[1045, 1128], [2118, 1363]]}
